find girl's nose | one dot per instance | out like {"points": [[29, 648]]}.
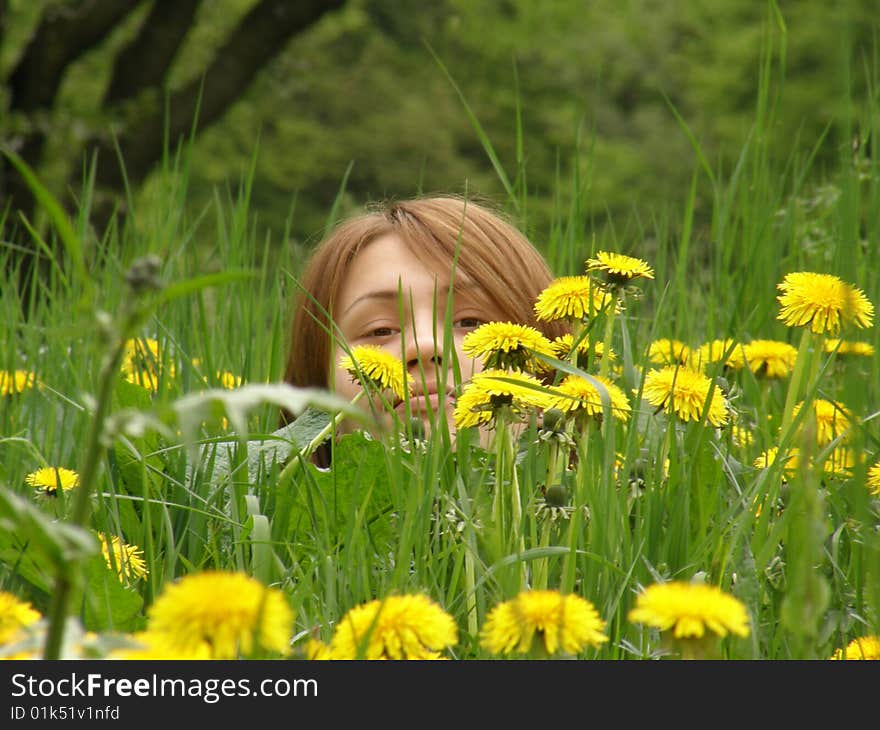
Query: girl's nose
{"points": [[422, 346]]}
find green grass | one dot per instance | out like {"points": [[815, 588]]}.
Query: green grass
{"points": [[391, 518]]}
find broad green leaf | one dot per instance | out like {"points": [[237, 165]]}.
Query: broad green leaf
{"points": [[259, 537], [108, 604], [357, 482], [60, 543], [263, 453], [192, 410]]}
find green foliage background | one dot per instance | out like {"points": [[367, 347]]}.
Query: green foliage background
{"points": [[566, 91], [714, 139]]}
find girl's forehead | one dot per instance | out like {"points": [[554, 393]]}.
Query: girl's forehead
{"points": [[388, 267], [389, 258]]}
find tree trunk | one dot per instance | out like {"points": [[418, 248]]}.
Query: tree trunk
{"points": [[69, 29], [144, 62], [260, 35], [65, 32]]}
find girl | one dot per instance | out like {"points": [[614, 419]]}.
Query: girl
{"points": [[404, 276]]}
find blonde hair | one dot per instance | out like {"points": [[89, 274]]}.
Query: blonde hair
{"points": [[490, 250]]}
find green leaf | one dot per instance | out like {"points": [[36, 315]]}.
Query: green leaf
{"points": [[58, 543], [182, 419], [130, 395], [135, 457], [355, 487], [108, 605], [263, 453], [191, 410], [259, 536]]}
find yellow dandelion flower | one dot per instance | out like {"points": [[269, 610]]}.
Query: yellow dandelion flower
{"points": [[399, 627], [839, 463], [128, 559], [832, 420], [873, 480], [573, 298], [862, 648], [768, 457], [15, 615], [144, 379], [142, 351], [490, 389], [473, 408], [48, 478], [618, 269], [742, 436], [153, 645], [727, 351], [508, 345], [16, 381], [639, 469], [575, 393], [229, 380], [668, 352], [684, 392], [563, 344], [543, 620], [523, 389], [690, 609], [234, 614], [845, 347], [143, 364], [770, 358], [823, 302], [379, 367], [317, 650]]}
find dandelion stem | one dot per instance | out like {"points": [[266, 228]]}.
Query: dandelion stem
{"points": [[81, 502], [605, 360], [292, 467], [507, 503], [574, 526], [470, 549], [802, 367], [552, 463], [541, 574], [516, 511]]}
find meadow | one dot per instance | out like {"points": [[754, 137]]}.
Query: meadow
{"points": [[721, 440]]}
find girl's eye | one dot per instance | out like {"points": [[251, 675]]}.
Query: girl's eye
{"points": [[468, 323], [381, 332]]}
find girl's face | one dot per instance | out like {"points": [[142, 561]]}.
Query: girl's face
{"points": [[390, 298]]}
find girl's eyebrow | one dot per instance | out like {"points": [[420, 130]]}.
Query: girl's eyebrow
{"points": [[391, 294], [384, 295]]}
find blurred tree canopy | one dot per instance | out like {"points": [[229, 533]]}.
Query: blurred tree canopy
{"points": [[584, 103], [137, 109]]}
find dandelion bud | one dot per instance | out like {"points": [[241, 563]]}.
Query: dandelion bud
{"points": [[418, 429], [106, 326], [554, 419], [144, 273], [555, 496]]}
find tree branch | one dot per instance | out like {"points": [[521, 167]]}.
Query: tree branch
{"points": [[65, 32], [145, 61], [258, 38]]}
